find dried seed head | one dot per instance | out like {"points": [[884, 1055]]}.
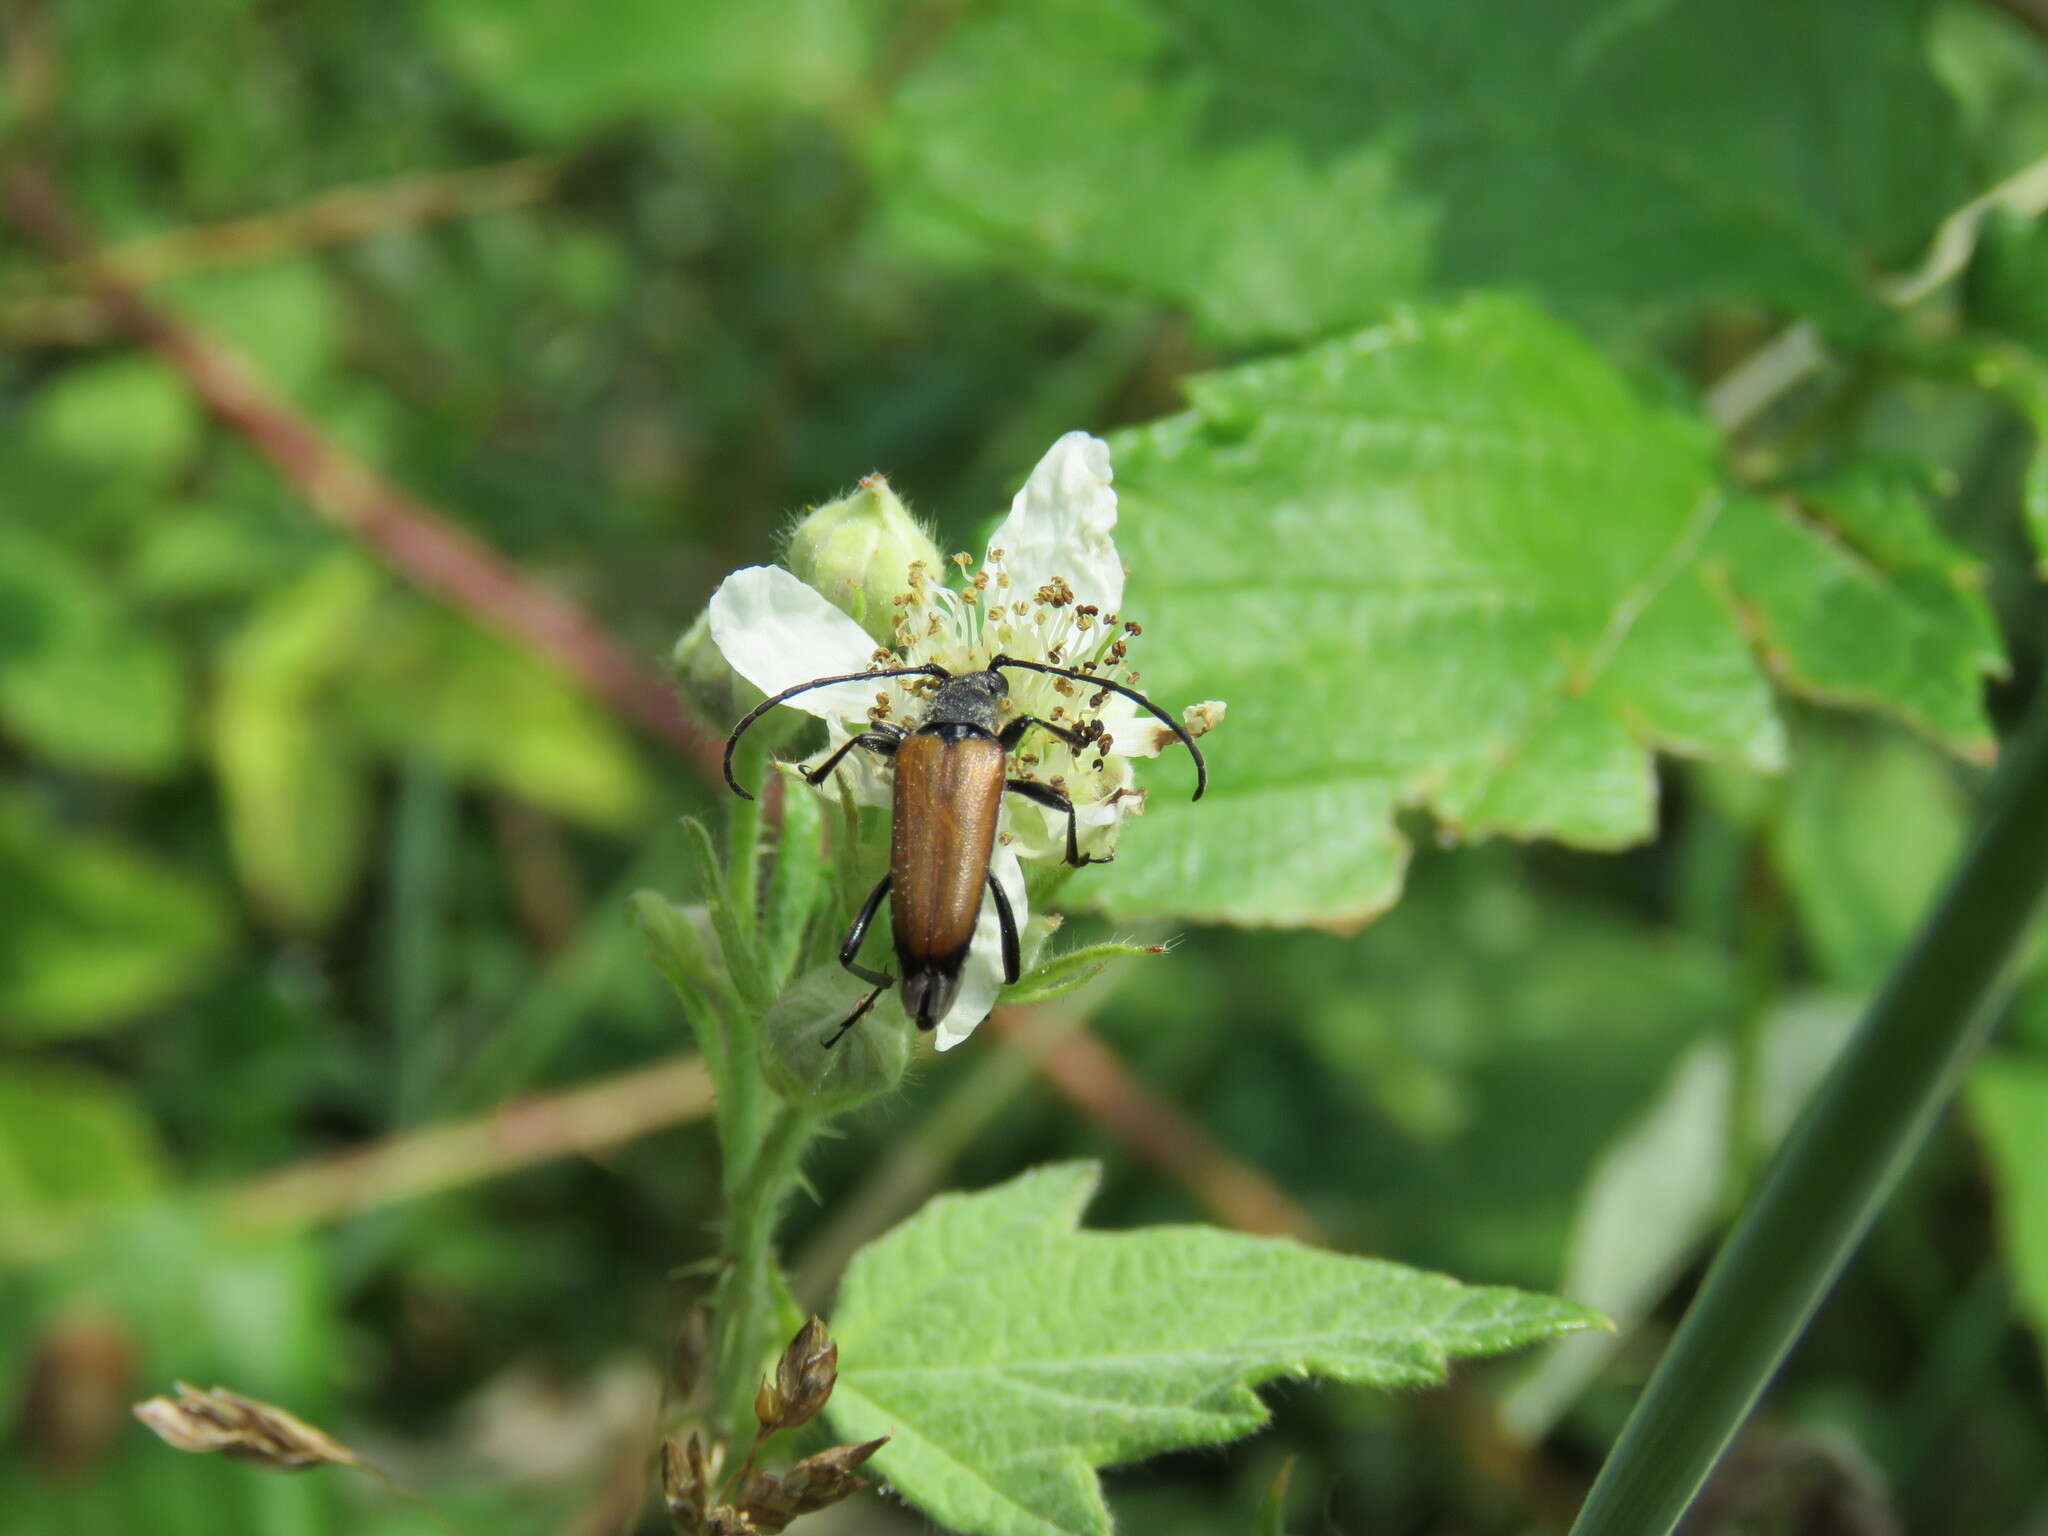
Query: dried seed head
{"points": [[727, 1521], [764, 1505], [243, 1428], [688, 1472], [770, 1502], [827, 1477], [804, 1378]]}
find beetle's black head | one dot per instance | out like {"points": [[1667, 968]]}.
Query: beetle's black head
{"points": [[972, 698]]}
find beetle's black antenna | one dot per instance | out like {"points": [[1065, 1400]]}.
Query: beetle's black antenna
{"points": [[929, 669], [1095, 681]]}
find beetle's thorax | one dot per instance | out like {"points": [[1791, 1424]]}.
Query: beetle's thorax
{"points": [[972, 699]]}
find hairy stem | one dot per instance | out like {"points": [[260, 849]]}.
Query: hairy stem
{"points": [[753, 1297]]}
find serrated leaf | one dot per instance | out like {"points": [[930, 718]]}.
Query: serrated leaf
{"points": [[1442, 562], [1010, 1353], [1453, 561], [92, 932], [82, 682], [1284, 171], [1259, 237], [2008, 1100], [1837, 625]]}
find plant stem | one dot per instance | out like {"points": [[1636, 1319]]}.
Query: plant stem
{"points": [[752, 1294], [743, 871], [744, 1088], [1824, 1188]]}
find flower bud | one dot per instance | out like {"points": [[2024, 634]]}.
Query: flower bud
{"points": [[716, 694], [869, 1059], [858, 551]]}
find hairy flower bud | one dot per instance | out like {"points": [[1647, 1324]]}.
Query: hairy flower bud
{"points": [[716, 694], [869, 1059], [858, 552]]}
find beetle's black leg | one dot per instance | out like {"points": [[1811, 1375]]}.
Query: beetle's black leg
{"points": [[1014, 733], [1093, 681], [1053, 800], [884, 739], [859, 931], [1006, 924], [856, 1016], [929, 669]]}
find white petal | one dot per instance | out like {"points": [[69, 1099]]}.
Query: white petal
{"points": [[1062, 524], [776, 632], [982, 976], [1145, 736]]}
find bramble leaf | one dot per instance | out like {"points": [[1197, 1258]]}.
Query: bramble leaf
{"points": [[1455, 562], [1011, 1354], [1283, 172]]}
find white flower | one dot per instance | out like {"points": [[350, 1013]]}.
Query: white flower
{"points": [[1048, 590]]}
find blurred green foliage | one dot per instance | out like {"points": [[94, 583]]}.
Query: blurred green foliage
{"points": [[293, 858]]}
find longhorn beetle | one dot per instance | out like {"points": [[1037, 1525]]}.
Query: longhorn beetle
{"points": [[949, 779]]}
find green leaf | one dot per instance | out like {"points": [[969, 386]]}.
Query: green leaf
{"points": [[1869, 824], [282, 317], [1010, 1353], [1075, 968], [1284, 172], [1444, 562], [2022, 378], [557, 76], [129, 414], [82, 682], [1454, 562], [1260, 237], [481, 709], [1272, 1516], [1875, 627], [1821, 1193], [91, 932], [2008, 1099], [69, 1138], [1655, 1195], [296, 787]]}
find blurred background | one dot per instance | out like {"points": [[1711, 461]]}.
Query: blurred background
{"points": [[334, 339]]}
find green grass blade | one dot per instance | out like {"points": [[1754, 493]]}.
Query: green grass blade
{"points": [[1821, 1192]]}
